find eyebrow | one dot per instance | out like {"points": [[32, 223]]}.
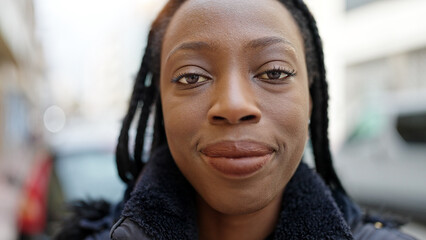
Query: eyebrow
{"points": [[256, 43], [191, 46], [268, 41]]}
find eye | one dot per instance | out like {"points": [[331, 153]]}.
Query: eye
{"points": [[276, 74], [190, 78]]}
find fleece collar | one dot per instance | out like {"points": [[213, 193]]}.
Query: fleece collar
{"points": [[163, 205]]}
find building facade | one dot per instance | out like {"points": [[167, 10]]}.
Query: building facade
{"points": [[372, 48]]}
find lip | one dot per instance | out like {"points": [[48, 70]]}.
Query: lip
{"points": [[237, 158]]}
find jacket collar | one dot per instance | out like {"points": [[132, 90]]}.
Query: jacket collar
{"points": [[163, 204]]}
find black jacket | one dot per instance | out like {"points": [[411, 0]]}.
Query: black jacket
{"points": [[162, 206]]}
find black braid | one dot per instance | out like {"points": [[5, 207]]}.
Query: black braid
{"points": [[146, 96], [318, 90], [143, 94], [124, 162], [319, 93]]}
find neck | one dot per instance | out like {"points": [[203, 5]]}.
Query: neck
{"points": [[256, 225]]}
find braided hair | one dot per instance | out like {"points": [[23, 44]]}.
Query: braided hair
{"points": [[145, 97]]}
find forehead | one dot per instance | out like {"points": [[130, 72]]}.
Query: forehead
{"points": [[233, 22]]}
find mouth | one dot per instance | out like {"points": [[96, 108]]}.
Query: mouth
{"points": [[237, 158]]}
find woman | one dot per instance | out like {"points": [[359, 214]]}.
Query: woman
{"points": [[237, 87]]}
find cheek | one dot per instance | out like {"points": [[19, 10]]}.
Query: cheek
{"points": [[289, 113], [182, 122], [289, 116], [290, 120]]}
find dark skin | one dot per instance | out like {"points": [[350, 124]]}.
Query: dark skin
{"points": [[235, 77]]}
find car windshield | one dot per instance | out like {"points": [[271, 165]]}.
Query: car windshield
{"points": [[90, 175]]}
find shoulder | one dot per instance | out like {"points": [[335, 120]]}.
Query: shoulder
{"points": [[89, 220], [378, 231], [127, 229], [365, 227]]}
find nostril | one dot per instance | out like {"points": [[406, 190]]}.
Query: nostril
{"points": [[248, 118], [217, 118], [234, 118]]}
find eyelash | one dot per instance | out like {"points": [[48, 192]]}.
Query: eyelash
{"points": [[187, 74], [289, 73]]}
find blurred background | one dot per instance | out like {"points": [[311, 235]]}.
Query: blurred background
{"points": [[66, 72]]}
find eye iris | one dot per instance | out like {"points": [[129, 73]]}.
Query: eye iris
{"points": [[192, 78], [274, 74]]}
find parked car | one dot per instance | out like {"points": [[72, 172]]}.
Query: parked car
{"points": [[383, 161], [80, 166]]}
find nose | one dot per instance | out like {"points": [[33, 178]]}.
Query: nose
{"points": [[234, 102]]}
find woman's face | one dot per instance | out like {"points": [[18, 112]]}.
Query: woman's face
{"points": [[235, 100]]}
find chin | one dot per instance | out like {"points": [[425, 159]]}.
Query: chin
{"points": [[241, 203]]}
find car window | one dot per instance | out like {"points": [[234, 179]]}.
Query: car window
{"points": [[90, 175], [412, 127]]}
